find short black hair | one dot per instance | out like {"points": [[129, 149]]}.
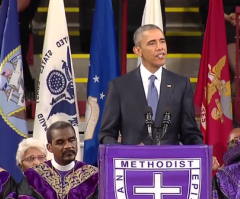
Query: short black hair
{"points": [[138, 33], [55, 126]]}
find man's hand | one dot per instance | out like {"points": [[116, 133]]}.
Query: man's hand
{"points": [[215, 164], [23, 4], [221, 167], [232, 16], [141, 144], [227, 17], [120, 138], [233, 19]]}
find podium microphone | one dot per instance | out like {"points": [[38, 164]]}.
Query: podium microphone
{"points": [[149, 121], [166, 121]]}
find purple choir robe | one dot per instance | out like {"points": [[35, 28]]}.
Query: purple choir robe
{"points": [[79, 183], [226, 182], [7, 184]]}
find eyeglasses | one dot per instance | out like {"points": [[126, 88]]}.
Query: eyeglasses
{"points": [[234, 142], [41, 158]]}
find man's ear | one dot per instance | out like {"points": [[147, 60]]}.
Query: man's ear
{"points": [[137, 51], [49, 147]]}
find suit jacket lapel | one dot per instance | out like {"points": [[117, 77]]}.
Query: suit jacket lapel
{"points": [[138, 89], [166, 89], [141, 101]]}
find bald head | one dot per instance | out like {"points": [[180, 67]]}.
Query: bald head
{"points": [[233, 134]]}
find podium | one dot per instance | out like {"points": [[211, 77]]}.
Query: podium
{"points": [[155, 172]]}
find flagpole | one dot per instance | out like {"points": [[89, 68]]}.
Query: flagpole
{"points": [[124, 36]]}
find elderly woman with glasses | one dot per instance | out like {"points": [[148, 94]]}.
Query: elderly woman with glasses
{"points": [[30, 152], [226, 182]]}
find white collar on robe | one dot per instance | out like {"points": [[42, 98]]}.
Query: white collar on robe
{"points": [[62, 168]]}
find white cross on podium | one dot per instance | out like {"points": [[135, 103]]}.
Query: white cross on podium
{"points": [[158, 190]]}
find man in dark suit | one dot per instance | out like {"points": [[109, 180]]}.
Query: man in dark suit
{"points": [[150, 85]]}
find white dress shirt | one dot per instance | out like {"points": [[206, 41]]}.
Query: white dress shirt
{"points": [[145, 74]]}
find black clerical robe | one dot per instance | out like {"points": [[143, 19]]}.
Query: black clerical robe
{"points": [[7, 184], [81, 182], [226, 183], [25, 191]]}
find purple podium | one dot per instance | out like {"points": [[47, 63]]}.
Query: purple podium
{"points": [[155, 172]]}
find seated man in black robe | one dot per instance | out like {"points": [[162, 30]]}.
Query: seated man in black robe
{"points": [[7, 184], [226, 182], [63, 177]]}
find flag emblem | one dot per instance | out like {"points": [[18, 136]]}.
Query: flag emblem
{"points": [[56, 82], [60, 85], [12, 99], [92, 116], [221, 87]]}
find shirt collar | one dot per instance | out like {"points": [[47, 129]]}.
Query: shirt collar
{"points": [[63, 168], [146, 73]]}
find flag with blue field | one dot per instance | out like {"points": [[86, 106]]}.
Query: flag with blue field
{"points": [[12, 99], [104, 67]]}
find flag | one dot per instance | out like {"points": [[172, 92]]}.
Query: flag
{"points": [[56, 94], [152, 14], [213, 92], [104, 66], [3, 16], [12, 100]]}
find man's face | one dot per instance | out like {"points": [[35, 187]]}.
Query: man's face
{"points": [[63, 146], [234, 138], [152, 48]]}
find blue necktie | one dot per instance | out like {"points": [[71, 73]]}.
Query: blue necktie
{"points": [[152, 97]]}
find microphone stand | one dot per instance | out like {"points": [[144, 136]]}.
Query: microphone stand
{"points": [[156, 137], [159, 135], [161, 130]]}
